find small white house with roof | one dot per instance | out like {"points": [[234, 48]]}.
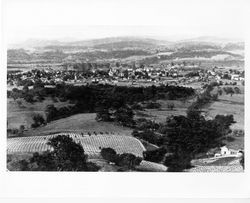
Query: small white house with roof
{"points": [[225, 151]]}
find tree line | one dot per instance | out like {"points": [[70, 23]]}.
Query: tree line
{"points": [[101, 99]]}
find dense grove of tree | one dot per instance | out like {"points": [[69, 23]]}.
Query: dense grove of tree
{"points": [[114, 96], [126, 160], [187, 137], [102, 99], [203, 99], [66, 156]]}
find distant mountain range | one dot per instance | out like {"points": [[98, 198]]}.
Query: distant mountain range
{"points": [[33, 43], [123, 42], [138, 49]]}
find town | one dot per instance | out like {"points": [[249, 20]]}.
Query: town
{"points": [[86, 73]]}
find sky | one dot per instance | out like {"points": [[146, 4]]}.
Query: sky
{"points": [[69, 20]]}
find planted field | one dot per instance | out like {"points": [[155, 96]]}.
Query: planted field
{"points": [[92, 144]]}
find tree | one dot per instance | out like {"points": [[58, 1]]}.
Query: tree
{"points": [[15, 93], [109, 154], [65, 156], [19, 103], [103, 114], [150, 136], [144, 124], [229, 90], [51, 113], [220, 92], [156, 155], [237, 90], [215, 97], [126, 160], [25, 89], [28, 97], [38, 121], [223, 123], [21, 130], [124, 116]]}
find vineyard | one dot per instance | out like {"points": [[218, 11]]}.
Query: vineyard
{"points": [[92, 144]]}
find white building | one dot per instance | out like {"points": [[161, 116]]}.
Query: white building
{"points": [[225, 151]]}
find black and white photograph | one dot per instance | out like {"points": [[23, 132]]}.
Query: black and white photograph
{"points": [[124, 99], [120, 98]]}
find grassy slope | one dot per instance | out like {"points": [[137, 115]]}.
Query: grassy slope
{"points": [[22, 115], [82, 123], [230, 105]]}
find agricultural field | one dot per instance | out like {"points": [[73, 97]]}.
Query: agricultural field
{"points": [[92, 143]]}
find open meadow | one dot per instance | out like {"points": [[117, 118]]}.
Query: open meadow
{"points": [[227, 104], [20, 112], [160, 114]]}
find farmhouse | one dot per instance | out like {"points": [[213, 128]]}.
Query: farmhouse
{"points": [[225, 151]]}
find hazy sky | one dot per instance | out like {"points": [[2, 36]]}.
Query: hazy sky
{"points": [[85, 19]]}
